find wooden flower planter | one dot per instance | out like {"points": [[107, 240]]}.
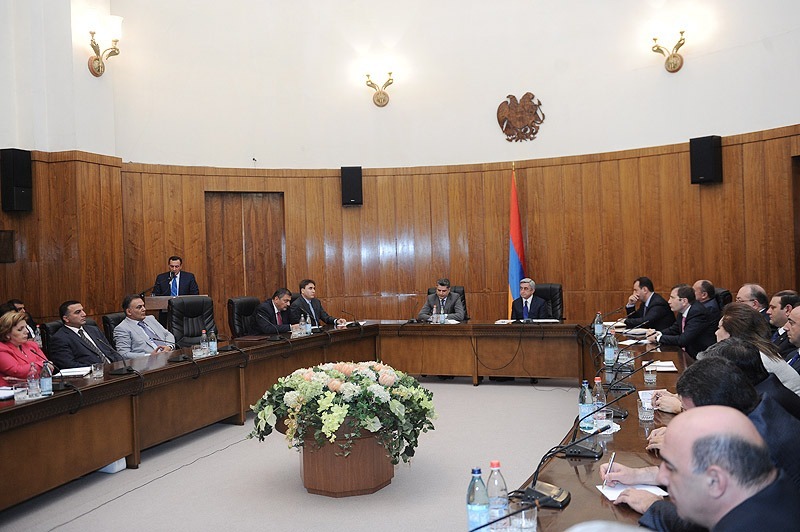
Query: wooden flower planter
{"points": [[365, 470]]}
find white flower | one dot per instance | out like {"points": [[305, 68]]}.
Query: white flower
{"points": [[379, 392], [366, 372], [292, 399], [349, 391]]}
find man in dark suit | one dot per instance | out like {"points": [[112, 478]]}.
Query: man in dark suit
{"points": [[755, 296], [793, 333], [77, 344], [705, 293], [273, 316], [527, 305], [780, 306], [309, 305], [653, 309], [443, 298], [693, 330], [175, 282]]}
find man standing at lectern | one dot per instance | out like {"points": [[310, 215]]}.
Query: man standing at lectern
{"points": [[175, 282], [527, 305]]}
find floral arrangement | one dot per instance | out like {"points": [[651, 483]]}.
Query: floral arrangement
{"points": [[315, 403]]}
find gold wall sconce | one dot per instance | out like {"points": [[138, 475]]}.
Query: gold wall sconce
{"points": [[97, 65], [381, 97], [674, 60]]}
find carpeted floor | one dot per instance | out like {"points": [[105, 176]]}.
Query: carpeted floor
{"points": [[216, 479]]}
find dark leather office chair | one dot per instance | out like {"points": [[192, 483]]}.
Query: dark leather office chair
{"points": [[242, 315], [553, 295], [723, 297], [456, 289], [47, 330], [188, 316], [110, 321]]}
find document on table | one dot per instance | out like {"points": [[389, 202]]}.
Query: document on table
{"points": [[6, 393], [612, 493], [74, 372], [632, 342], [506, 322], [665, 365]]}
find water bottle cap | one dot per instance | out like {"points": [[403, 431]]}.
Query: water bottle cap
{"points": [[203, 330], [476, 470], [494, 464], [597, 379]]}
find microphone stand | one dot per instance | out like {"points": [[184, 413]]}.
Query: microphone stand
{"points": [[355, 323]]}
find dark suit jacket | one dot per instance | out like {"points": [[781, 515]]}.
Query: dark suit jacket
{"points": [[266, 323], [67, 350], [453, 307], [299, 306], [187, 285], [785, 397], [785, 348], [698, 333], [537, 311], [657, 314], [713, 310]]}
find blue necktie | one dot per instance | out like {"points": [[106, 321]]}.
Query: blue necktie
{"points": [[775, 337], [173, 291], [525, 310]]}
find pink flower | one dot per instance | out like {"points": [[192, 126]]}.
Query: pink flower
{"points": [[334, 385], [386, 379], [308, 375], [345, 367]]}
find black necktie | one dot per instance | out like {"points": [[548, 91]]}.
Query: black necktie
{"points": [[93, 347]]}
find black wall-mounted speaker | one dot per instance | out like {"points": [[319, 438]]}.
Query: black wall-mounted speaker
{"points": [[16, 181], [351, 186], [705, 154]]}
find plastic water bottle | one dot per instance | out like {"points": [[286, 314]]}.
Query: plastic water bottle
{"points": [[610, 349], [477, 501], [598, 401], [585, 407], [204, 343], [37, 337], [442, 315], [33, 382], [46, 380], [308, 325], [598, 326], [302, 328], [212, 343], [498, 496], [435, 315]]}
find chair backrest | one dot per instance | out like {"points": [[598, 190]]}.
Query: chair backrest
{"points": [[723, 296], [456, 289], [553, 296], [110, 321], [188, 316], [242, 315], [47, 330]]}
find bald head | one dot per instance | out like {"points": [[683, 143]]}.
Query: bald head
{"points": [[714, 459], [703, 290], [753, 295]]}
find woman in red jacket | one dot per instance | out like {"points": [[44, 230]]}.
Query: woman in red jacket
{"points": [[17, 351]]}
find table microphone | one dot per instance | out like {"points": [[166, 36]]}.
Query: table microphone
{"points": [[628, 330], [353, 324], [548, 495]]}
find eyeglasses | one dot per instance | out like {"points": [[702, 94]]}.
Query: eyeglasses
{"points": [[744, 300]]}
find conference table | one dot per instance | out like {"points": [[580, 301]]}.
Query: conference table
{"points": [[580, 476], [94, 423]]}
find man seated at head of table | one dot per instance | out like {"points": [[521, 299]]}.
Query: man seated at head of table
{"points": [[17, 351], [653, 311], [528, 305], [443, 298], [140, 335], [713, 381], [78, 344], [719, 475]]}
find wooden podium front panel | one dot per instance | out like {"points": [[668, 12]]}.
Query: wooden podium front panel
{"points": [[528, 356], [430, 350]]}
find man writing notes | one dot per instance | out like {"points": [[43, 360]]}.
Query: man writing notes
{"points": [[309, 305], [529, 306], [175, 282], [653, 310], [443, 299], [273, 316], [77, 344], [139, 335]]}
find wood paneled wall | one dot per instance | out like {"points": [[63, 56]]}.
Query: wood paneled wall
{"points": [[101, 228]]}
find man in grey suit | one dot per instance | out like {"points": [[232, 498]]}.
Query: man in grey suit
{"points": [[140, 335], [443, 298]]}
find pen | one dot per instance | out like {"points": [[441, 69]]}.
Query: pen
{"points": [[610, 465]]}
